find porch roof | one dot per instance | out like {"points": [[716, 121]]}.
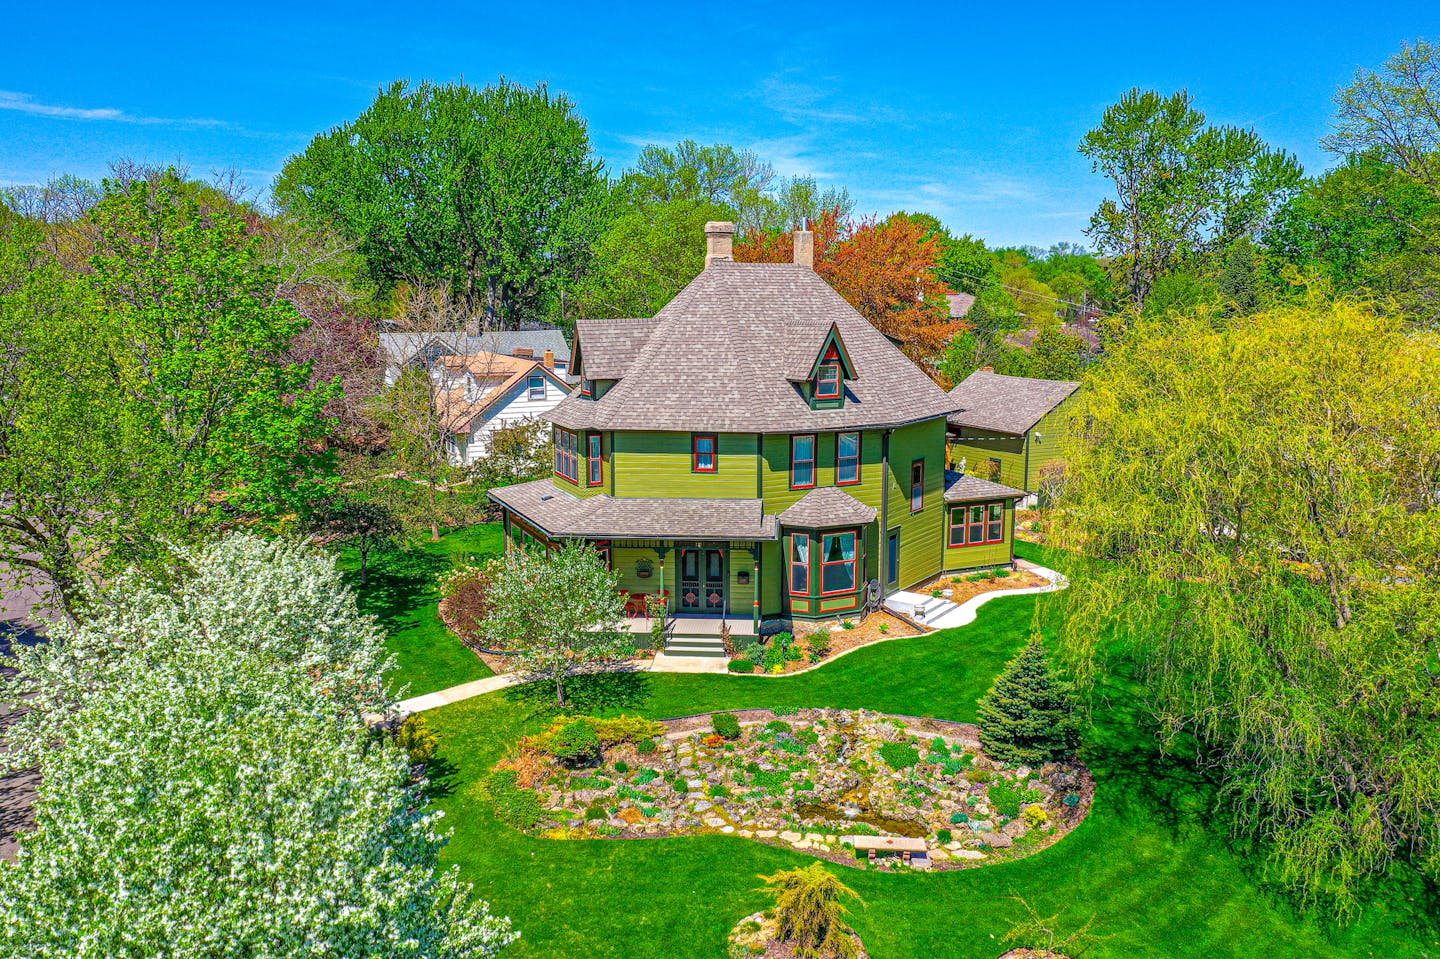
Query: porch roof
{"points": [[559, 513], [960, 488], [827, 506]]}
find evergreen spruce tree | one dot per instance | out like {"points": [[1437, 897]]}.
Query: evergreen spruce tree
{"points": [[1240, 281], [1028, 717]]}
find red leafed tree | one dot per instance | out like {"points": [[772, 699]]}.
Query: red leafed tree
{"points": [[886, 269]]}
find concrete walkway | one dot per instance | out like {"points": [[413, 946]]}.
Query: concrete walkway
{"points": [[964, 615]]}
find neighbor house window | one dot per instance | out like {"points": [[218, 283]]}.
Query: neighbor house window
{"points": [[827, 382], [595, 469], [837, 563], [702, 453], [567, 455], [799, 564], [917, 486], [847, 459], [802, 461], [537, 387]]}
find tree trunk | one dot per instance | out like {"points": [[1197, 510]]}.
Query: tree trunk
{"points": [[560, 689], [434, 517], [364, 562]]}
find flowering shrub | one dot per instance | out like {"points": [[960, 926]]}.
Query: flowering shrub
{"points": [[713, 740], [198, 742]]}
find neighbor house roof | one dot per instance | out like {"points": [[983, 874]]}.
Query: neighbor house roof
{"points": [[827, 506], [610, 345], [721, 357], [1006, 404], [960, 304], [962, 488], [635, 517], [402, 347], [496, 375]]}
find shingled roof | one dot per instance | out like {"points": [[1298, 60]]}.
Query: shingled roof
{"points": [[1006, 404], [827, 506], [635, 517], [610, 345], [722, 356], [961, 488]]}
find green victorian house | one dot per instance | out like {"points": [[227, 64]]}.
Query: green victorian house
{"points": [[758, 451]]}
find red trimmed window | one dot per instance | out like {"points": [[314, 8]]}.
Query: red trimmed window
{"points": [[799, 564], [595, 466], [847, 459], [838, 563], [827, 382], [585, 388], [802, 461], [917, 486], [977, 524], [702, 452], [567, 455]]}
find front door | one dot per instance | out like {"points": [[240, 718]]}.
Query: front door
{"points": [[702, 580]]}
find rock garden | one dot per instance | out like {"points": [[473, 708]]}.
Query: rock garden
{"points": [[846, 785]]}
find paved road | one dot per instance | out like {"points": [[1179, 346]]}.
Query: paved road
{"points": [[21, 621]]}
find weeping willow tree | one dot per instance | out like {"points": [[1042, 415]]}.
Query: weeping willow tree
{"points": [[1257, 501]]}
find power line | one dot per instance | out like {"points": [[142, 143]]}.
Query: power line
{"points": [[1029, 293]]}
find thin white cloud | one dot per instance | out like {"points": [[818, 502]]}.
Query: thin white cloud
{"points": [[25, 103]]}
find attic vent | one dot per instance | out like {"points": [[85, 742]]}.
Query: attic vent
{"points": [[524, 351], [545, 496]]}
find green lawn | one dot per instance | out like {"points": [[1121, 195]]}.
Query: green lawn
{"points": [[1148, 864], [403, 595]]}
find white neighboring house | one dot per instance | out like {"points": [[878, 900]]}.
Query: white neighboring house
{"points": [[484, 392], [401, 350]]}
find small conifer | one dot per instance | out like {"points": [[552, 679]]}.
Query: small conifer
{"points": [[1028, 716]]}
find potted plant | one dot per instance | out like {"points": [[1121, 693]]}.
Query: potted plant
{"points": [[644, 568]]}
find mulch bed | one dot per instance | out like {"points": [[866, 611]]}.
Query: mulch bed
{"points": [[970, 588]]}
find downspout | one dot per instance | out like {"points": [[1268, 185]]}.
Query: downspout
{"points": [[883, 560], [1025, 482]]}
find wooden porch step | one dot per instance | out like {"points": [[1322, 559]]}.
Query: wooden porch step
{"points": [[694, 646]]}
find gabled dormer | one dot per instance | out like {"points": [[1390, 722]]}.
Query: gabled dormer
{"points": [[828, 374]]}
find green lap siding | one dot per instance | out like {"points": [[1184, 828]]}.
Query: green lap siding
{"points": [[920, 533], [660, 464], [772, 578], [978, 448], [1021, 458], [1050, 442]]}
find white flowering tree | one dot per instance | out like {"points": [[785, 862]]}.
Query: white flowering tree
{"points": [[561, 611], [210, 787]]}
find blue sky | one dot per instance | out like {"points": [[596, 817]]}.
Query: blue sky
{"points": [[968, 111]]}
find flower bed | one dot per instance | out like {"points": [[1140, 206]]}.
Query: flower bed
{"points": [[807, 780]]}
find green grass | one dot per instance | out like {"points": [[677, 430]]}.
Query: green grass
{"points": [[1147, 864], [403, 595]]}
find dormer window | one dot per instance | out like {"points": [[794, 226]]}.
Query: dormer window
{"points": [[537, 386], [827, 382]]}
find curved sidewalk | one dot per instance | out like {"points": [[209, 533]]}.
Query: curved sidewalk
{"points": [[964, 615]]}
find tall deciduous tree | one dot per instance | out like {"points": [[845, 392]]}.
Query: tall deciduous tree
{"points": [[1259, 498], [886, 269], [495, 193], [1182, 186], [560, 611]]}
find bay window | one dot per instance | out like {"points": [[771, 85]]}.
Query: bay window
{"points": [[800, 564], [837, 563]]}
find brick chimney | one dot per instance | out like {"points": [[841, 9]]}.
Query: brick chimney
{"points": [[719, 241], [805, 249], [987, 369], [549, 359]]}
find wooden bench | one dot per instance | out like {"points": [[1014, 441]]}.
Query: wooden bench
{"points": [[873, 844]]}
